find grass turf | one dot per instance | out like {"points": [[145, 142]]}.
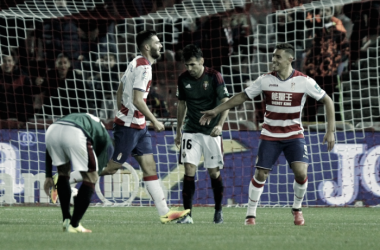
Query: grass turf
{"points": [[139, 228]]}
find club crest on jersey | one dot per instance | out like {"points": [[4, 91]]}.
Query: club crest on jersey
{"points": [[293, 85], [205, 85]]}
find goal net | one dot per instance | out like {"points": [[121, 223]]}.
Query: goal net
{"points": [[60, 57]]}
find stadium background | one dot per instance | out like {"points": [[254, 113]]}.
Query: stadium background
{"points": [[336, 43]]}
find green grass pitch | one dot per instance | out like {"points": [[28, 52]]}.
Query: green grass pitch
{"points": [[139, 228]]}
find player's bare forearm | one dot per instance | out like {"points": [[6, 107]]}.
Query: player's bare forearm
{"points": [[119, 95], [138, 101], [236, 100], [330, 112], [143, 108], [224, 114], [181, 112]]}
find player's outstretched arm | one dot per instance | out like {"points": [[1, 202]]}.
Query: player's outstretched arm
{"points": [[330, 112], [236, 100]]}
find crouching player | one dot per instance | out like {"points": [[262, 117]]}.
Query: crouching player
{"points": [[82, 141]]}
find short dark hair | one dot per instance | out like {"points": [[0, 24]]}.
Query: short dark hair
{"points": [[190, 51], [62, 55], [287, 47], [143, 36]]}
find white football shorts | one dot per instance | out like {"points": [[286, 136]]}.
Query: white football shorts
{"points": [[194, 145], [68, 143]]}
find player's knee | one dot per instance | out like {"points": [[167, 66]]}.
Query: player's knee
{"points": [[261, 174], [300, 171], [214, 173], [149, 170], [90, 176], [64, 170], [300, 176], [190, 169], [111, 168]]}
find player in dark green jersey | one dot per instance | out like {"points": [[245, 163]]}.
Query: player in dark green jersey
{"points": [[82, 141], [200, 88]]}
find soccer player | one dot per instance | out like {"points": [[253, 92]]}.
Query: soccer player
{"points": [[200, 88], [130, 131], [285, 91], [81, 140]]}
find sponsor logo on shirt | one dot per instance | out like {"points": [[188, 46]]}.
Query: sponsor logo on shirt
{"points": [[282, 99], [273, 85], [317, 87], [205, 85], [293, 85], [188, 86]]}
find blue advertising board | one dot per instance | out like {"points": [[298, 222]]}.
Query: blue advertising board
{"points": [[348, 174]]}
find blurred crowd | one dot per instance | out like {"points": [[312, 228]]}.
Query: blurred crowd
{"points": [[72, 64]]}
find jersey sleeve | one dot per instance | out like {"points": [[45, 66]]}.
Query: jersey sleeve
{"points": [[220, 86], [141, 77], [313, 90], [181, 95], [255, 88]]}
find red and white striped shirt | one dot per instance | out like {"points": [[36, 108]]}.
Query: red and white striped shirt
{"points": [[138, 76], [284, 101]]}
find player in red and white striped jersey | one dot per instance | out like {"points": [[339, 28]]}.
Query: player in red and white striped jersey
{"points": [[130, 131], [285, 91], [136, 81]]}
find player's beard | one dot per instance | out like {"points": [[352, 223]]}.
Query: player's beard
{"points": [[275, 67], [155, 53]]}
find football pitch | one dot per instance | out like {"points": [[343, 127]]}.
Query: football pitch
{"points": [[139, 228]]}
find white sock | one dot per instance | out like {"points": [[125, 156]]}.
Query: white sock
{"points": [[154, 188], [254, 195], [299, 193], [75, 177]]}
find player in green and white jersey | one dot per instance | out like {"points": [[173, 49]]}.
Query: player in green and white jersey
{"points": [[200, 88], [80, 140]]}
